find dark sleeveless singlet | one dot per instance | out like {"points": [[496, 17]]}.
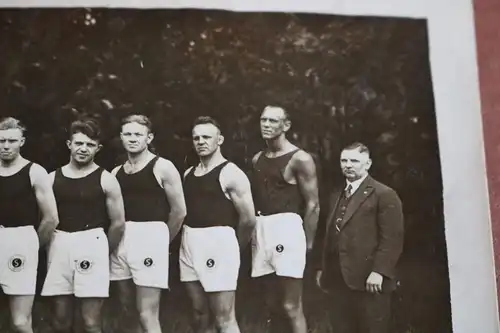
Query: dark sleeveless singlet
{"points": [[18, 204], [206, 203], [144, 199], [81, 202], [272, 193]]}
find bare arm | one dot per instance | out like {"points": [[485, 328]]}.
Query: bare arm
{"points": [[172, 184], [238, 188], [42, 186], [305, 173], [116, 211]]}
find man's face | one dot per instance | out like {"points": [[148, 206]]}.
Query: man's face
{"points": [[206, 139], [135, 137], [354, 164], [11, 141], [273, 123], [82, 148]]}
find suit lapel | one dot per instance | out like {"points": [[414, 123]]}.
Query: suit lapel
{"points": [[363, 192]]}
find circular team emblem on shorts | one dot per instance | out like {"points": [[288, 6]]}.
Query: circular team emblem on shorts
{"points": [[210, 263], [16, 263], [279, 248], [84, 266], [148, 262]]}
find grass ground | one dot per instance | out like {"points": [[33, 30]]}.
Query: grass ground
{"points": [[418, 307]]}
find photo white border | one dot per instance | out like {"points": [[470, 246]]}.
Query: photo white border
{"points": [[457, 101]]}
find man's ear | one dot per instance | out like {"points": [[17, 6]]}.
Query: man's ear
{"points": [[99, 147], [23, 140], [287, 124], [151, 137], [368, 164], [68, 144], [220, 140]]}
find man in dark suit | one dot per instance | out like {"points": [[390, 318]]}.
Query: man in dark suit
{"points": [[362, 245]]}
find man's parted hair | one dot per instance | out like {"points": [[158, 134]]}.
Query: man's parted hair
{"points": [[88, 126], [8, 123], [359, 146], [140, 119], [207, 120]]}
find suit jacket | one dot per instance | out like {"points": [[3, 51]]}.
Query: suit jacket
{"points": [[371, 235]]}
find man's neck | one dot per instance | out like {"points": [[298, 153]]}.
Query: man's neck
{"points": [[79, 167], [135, 159], [11, 163], [277, 144], [209, 162]]}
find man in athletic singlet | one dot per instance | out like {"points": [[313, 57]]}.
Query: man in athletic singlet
{"points": [[285, 189], [154, 211], [89, 203], [219, 222], [25, 192]]}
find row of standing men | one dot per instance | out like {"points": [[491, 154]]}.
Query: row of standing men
{"points": [[219, 210]]}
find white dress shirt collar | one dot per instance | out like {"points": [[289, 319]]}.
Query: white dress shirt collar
{"points": [[355, 184]]}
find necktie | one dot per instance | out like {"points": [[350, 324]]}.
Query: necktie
{"points": [[348, 191]]}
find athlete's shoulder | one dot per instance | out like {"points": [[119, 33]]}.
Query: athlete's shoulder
{"points": [[115, 170], [165, 168], [233, 173], [37, 173], [109, 182], [164, 164], [36, 170], [302, 157]]}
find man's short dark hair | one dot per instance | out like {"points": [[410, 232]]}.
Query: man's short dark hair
{"points": [[286, 114], [359, 146], [207, 120], [8, 123], [89, 127], [140, 119]]}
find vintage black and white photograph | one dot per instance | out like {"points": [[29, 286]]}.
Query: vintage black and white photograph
{"points": [[189, 170]]}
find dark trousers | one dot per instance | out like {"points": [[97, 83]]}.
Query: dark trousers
{"points": [[356, 311]]}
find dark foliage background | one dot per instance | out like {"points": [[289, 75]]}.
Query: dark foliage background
{"points": [[341, 78]]}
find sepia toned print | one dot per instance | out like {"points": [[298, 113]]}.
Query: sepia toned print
{"points": [[342, 80]]}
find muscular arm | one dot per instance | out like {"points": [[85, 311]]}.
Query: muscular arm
{"points": [[172, 184], [305, 172], [238, 189], [391, 233], [42, 186], [116, 211]]}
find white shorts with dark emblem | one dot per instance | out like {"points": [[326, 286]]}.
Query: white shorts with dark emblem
{"points": [[210, 255], [143, 254], [18, 260], [279, 246], [78, 264]]}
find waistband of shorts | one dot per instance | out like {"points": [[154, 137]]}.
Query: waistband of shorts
{"points": [[206, 229], [81, 232], [20, 228], [282, 216], [145, 222]]}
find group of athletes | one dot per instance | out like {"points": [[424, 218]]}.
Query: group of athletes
{"points": [[100, 226]]}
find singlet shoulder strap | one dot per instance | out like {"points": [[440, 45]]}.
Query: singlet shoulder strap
{"points": [[189, 172], [151, 164], [27, 168]]}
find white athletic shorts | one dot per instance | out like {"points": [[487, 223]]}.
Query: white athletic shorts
{"points": [[18, 260], [210, 255], [279, 246], [143, 254], [78, 264]]}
